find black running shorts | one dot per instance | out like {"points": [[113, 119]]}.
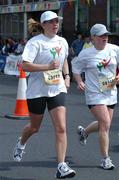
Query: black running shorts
{"points": [[109, 106], [38, 105]]}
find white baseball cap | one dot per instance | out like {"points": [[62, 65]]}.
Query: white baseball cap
{"points": [[48, 15], [98, 30]]}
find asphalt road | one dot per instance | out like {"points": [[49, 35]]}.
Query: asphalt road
{"points": [[39, 161]]}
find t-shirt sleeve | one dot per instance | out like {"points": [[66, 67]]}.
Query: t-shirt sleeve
{"points": [[30, 52], [78, 63], [118, 56]]}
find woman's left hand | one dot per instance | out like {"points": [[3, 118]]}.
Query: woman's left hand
{"points": [[117, 79]]}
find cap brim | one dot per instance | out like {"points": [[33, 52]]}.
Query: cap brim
{"points": [[60, 17], [102, 33], [48, 19]]}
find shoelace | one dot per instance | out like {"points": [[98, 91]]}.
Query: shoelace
{"points": [[82, 135], [108, 161], [65, 168], [20, 152]]}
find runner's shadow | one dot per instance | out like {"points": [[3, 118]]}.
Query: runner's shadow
{"points": [[8, 165], [9, 178], [86, 166], [49, 164]]}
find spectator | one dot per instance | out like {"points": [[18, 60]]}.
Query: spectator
{"points": [[87, 41], [77, 45], [9, 46], [20, 47], [75, 48], [1, 45]]}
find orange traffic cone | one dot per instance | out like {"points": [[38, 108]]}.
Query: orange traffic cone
{"points": [[21, 109]]}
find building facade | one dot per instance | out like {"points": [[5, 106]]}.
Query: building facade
{"points": [[78, 15]]}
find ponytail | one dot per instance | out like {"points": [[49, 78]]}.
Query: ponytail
{"points": [[34, 27]]}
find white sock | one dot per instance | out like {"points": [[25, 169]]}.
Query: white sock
{"points": [[60, 164], [21, 146]]}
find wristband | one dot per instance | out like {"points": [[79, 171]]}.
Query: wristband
{"points": [[66, 75]]}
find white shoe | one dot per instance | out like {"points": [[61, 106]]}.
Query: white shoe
{"points": [[18, 152], [107, 164], [64, 171], [82, 135]]}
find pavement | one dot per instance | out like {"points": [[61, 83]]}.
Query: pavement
{"points": [[39, 161]]}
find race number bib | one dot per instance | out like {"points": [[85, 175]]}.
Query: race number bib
{"points": [[106, 83], [52, 77]]}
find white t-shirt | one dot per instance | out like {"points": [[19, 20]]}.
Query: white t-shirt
{"points": [[43, 50], [100, 70]]}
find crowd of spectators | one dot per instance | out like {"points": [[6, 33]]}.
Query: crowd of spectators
{"points": [[81, 41], [11, 46]]}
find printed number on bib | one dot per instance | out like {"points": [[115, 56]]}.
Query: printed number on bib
{"points": [[106, 83], [52, 77]]}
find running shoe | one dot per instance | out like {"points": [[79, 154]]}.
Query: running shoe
{"points": [[82, 135], [107, 164], [64, 171], [18, 152]]}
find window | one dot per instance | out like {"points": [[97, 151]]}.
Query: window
{"points": [[17, 1], [15, 24], [34, 0], [114, 16], [82, 17], [3, 2]]}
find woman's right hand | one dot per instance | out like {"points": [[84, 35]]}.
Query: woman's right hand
{"points": [[81, 86], [54, 65]]}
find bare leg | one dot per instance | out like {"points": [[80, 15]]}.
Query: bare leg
{"points": [[104, 117], [31, 128], [28, 131], [58, 116], [92, 127]]}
